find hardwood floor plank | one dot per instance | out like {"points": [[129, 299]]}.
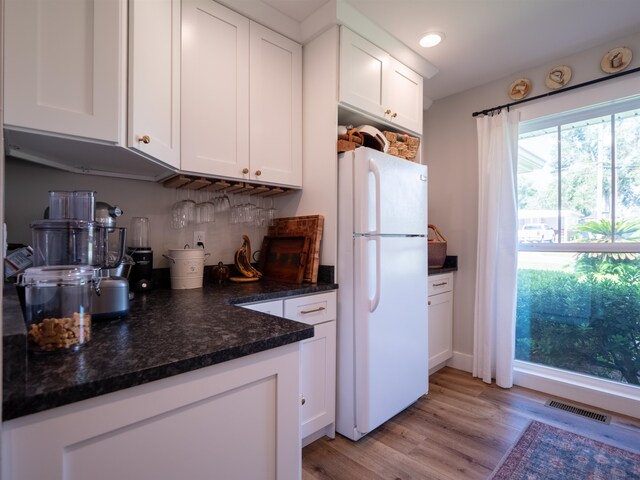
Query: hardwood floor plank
{"points": [[484, 453], [449, 463], [322, 461], [384, 460], [477, 407], [465, 425], [399, 436]]}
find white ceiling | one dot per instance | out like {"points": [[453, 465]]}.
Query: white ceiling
{"points": [[489, 39]]}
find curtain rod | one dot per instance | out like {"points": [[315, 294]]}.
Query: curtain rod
{"points": [[554, 92]]}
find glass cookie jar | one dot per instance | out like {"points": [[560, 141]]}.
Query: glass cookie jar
{"points": [[58, 306]]}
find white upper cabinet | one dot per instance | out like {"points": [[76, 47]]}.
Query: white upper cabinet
{"points": [[63, 65], [154, 79], [403, 93], [215, 89], [190, 85], [275, 123], [376, 83], [241, 97]]}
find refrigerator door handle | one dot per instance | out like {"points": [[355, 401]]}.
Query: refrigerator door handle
{"points": [[373, 168], [373, 302]]}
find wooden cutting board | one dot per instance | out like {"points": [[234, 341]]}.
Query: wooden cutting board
{"points": [[284, 258], [309, 226]]}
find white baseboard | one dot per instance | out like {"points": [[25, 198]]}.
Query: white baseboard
{"points": [[461, 361]]}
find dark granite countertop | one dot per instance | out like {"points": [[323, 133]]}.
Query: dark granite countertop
{"points": [[450, 265], [167, 332]]}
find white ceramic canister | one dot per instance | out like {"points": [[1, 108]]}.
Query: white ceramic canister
{"points": [[186, 267]]}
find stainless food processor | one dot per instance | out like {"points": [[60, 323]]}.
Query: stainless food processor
{"points": [[113, 300]]}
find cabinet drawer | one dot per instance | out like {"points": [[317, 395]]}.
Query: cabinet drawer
{"points": [[440, 283], [311, 309]]}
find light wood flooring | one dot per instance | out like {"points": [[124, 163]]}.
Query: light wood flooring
{"points": [[460, 430]]}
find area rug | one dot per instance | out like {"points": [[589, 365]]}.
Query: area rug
{"points": [[546, 452]]}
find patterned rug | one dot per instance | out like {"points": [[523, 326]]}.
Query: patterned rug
{"points": [[546, 452]]}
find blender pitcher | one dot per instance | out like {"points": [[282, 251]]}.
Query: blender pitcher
{"points": [[139, 248]]}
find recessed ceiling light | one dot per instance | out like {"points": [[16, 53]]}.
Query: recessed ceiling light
{"points": [[431, 39]]}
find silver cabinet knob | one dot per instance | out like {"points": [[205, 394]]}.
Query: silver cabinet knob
{"points": [[302, 400]]}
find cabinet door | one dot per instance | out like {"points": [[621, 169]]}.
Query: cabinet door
{"points": [[317, 360], [214, 89], [440, 328], [403, 94], [154, 79], [318, 379], [63, 67], [362, 67], [275, 108]]}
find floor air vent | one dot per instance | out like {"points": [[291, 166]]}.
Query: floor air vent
{"points": [[598, 417]]}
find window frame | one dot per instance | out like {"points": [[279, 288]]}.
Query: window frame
{"points": [[557, 121]]}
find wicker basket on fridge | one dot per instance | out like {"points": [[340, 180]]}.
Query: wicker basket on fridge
{"points": [[402, 145], [350, 140], [437, 248]]}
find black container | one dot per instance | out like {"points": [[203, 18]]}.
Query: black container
{"points": [[140, 276]]}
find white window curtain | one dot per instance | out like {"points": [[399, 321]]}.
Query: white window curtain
{"points": [[495, 303]]}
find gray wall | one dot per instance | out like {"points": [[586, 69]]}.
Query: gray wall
{"points": [[450, 151]]}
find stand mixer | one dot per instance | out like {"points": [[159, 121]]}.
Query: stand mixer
{"points": [[80, 231], [113, 300]]}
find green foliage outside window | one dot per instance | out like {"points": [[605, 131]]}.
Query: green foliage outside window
{"points": [[581, 322]]}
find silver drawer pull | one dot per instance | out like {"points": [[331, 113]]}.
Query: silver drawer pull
{"points": [[319, 309], [439, 284]]}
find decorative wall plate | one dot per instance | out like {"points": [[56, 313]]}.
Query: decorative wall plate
{"points": [[520, 89], [558, 77], [616, 60]]}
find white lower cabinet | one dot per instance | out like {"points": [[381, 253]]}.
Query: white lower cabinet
{"points": [[440, 303], [236, 420], [317, 360]]}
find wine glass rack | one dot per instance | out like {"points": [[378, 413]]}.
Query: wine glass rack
{"points": [[228, 186]]}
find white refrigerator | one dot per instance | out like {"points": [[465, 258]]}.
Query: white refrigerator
{"points": [[382, 329]]}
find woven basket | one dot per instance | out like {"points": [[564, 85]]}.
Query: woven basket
{"points": [[349, 141], [437, 248], [403, 146]]}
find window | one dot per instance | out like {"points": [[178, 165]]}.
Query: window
{"points": [[579, 241]]}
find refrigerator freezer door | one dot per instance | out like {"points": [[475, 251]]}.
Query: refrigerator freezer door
{"points": [[391, 342], [389, 194]]}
